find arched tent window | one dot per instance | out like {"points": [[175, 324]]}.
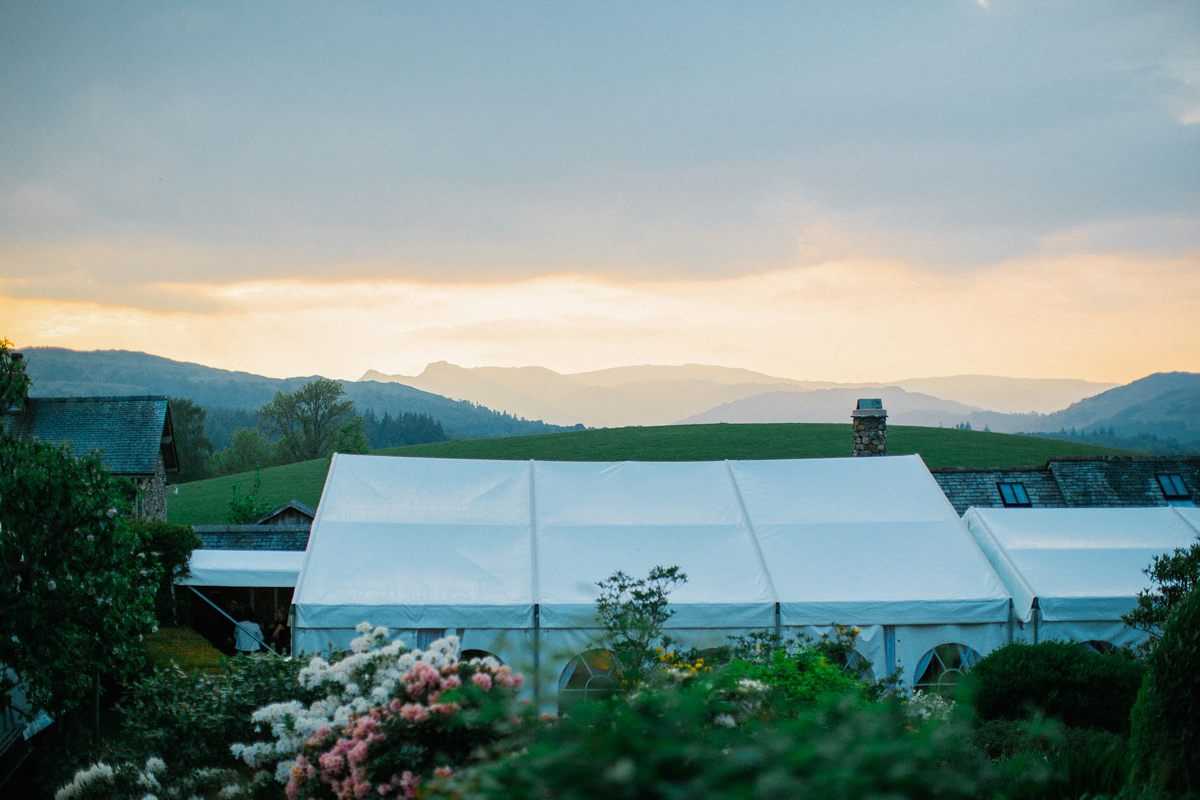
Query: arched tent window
{"points": [[941, 667], [591, 675], [1097, 645], [467, 655]]}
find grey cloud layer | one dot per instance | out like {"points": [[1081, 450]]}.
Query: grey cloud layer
{"points": [[474, 141]]}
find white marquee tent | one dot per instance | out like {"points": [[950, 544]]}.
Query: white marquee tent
{"points": [[1073, 572], [508, 554]]}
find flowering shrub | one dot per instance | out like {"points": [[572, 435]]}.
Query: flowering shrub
{"points": [[388, 719], [922, 707], [103, 781]]}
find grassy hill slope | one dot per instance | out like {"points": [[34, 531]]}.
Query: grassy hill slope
{"points": [[206, 502]]}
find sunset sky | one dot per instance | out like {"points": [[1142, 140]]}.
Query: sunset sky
{"points": [[836, 191]]}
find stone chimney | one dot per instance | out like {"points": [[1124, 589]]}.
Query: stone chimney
{"points": [[869, 422]]}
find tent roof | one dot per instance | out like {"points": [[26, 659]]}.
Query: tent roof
{"points": [[244, 568], [1079, 563], [475, 543]]}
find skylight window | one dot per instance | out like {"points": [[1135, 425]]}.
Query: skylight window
{"points": [[1173, 487], [1013, 494]]}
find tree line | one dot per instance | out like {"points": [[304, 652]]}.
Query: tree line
{"points": [[311, 422]]}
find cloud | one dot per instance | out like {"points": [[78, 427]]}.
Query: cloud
{"points": [[1101, 318]]}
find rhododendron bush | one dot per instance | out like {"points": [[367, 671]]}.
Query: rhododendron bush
{"points": [[389, 718]]}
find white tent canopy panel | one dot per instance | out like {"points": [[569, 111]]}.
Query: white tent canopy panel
{"points": [[474, 545], [264, 568], [1081, 564], [866, 540]]}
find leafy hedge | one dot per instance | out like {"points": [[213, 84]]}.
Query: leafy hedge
{"points": [[1082, 688], [1166, 719]]}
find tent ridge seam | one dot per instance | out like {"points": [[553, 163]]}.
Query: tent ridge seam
{"points": [[737, 492]]}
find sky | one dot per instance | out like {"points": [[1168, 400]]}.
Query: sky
{"points": [[827, 191]]}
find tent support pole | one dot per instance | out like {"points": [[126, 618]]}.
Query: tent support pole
{"points": [[1037, 613], [778, 623], [1010, 620], [234, 621], [537, 655]]}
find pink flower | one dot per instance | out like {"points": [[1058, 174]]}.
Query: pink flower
{"points": [[451, 682], [414, 713], [482, 680], [443, 772]]}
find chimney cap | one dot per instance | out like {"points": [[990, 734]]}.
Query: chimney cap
{"points": [[870, 402]]}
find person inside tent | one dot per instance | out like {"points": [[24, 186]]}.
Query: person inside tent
{"points": [[248, 634]]}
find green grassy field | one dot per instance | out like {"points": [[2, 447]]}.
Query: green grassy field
{"points": [[206, 502]]}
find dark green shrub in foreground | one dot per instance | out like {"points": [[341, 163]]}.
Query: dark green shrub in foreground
{"points": [[192, 719], [1166, 719], [1083, 762], [667, 743], [1080, 687]]}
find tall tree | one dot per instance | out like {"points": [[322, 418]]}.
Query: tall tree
{"points": [[76, 584], [194, 448], [306, 420], [14, 383], [249, 451]]}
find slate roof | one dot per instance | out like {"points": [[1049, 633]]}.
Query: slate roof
{"points": [[253, 537], [130, 432], [1105, 482], [291, 510]]}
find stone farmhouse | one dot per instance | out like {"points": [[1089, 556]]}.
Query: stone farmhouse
{"points": [[132, 436]]}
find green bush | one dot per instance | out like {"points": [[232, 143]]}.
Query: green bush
{"points": [[1080, 687], [193, 719], [669, 744], [802, 676], [1166, 718], [1082, 762], [169, 547]]}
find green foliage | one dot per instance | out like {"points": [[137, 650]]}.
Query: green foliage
{"points": [[244, 509], [306, 420], [14, 382], [667, 744], [633, 612], [764, 648], [1063, 680], [194, 448], [802, 677], [76, 584], [1174, 576], [1166, 719], [169, 548], [1082, 762], [249, 451], [351, 438], [192, 719]]}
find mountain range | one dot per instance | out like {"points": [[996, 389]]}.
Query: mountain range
{"points": [[664, 395], [57, 372], [1163, 405]]}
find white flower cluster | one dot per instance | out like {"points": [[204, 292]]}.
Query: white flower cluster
{"points": [[370, 676], [924, 706], [84, 778], [750, 686]]}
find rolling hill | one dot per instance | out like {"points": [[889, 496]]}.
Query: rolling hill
{"points": [[206, 502], [57, 372]]}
